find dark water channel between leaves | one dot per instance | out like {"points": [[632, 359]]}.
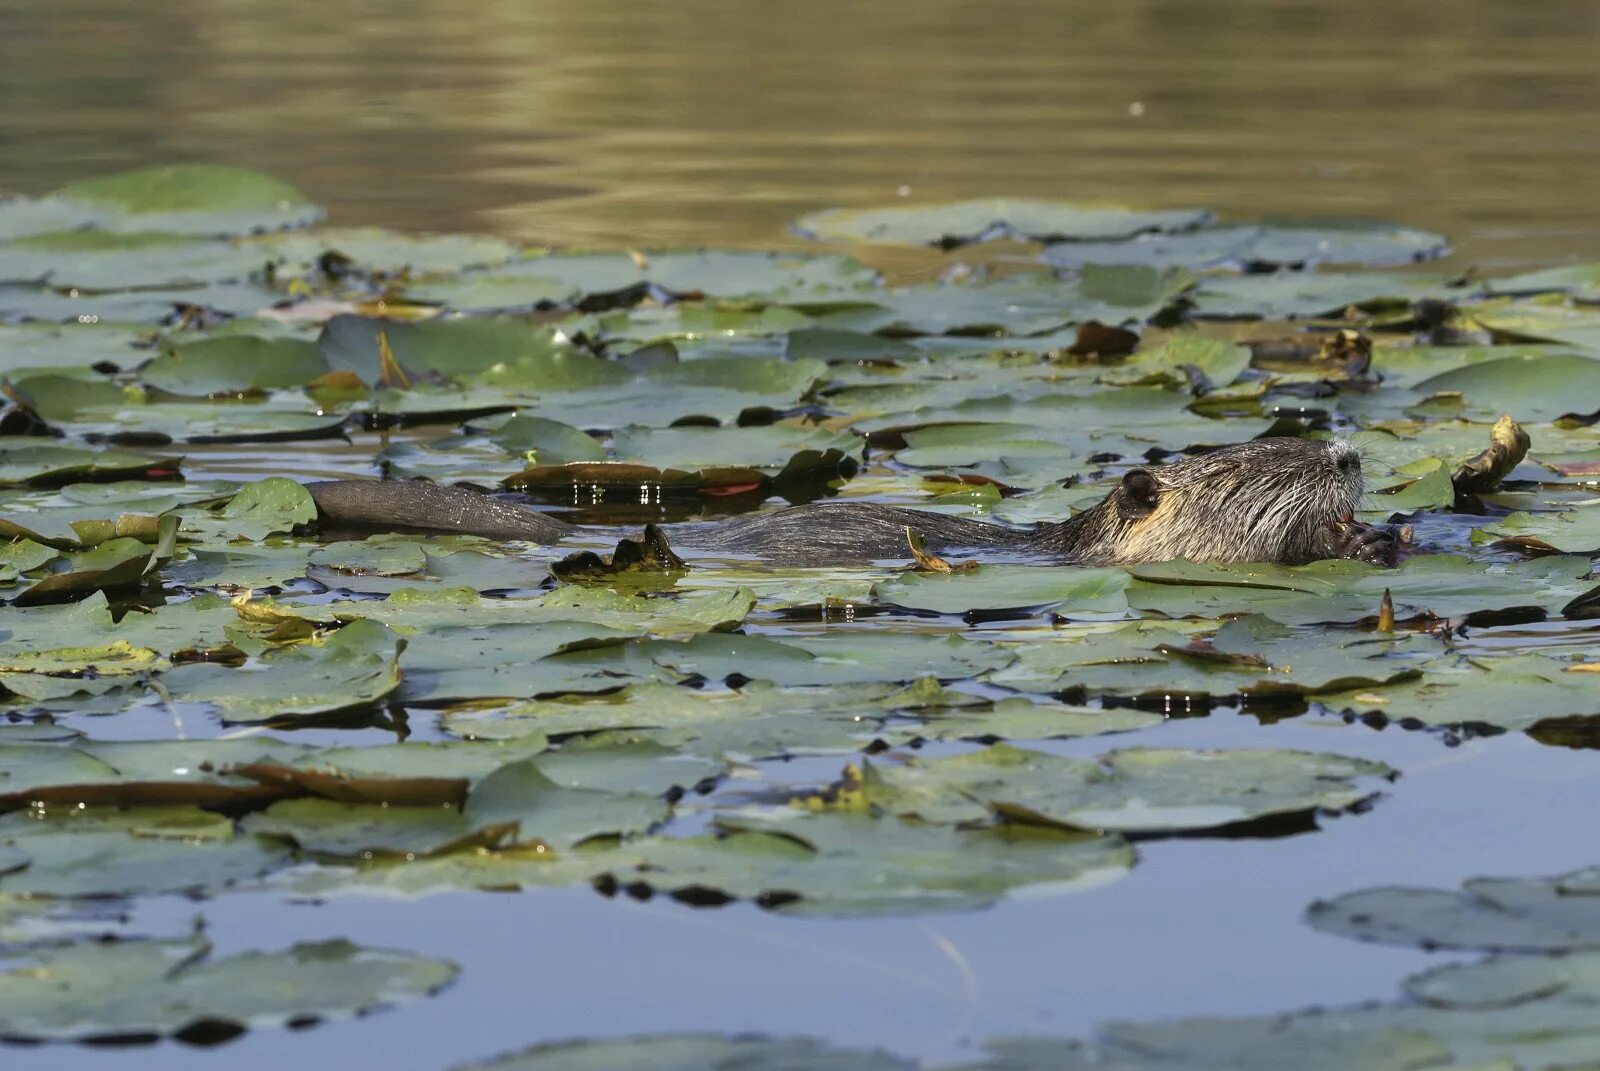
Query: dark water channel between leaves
{"points": [[713, 122]]}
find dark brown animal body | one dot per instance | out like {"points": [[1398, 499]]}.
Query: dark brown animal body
{"points": [[1280, 500]]}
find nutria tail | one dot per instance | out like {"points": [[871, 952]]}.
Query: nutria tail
{"points": [[1269, 500], [846, 533], [417, 505]]}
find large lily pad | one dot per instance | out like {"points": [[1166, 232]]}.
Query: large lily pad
{"points": [[1134, 791], [142, 989], [192, 199], [856, 865], [1558, 914]]}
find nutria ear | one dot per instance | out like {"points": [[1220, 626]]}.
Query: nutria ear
{"points": [[1138, 495]]}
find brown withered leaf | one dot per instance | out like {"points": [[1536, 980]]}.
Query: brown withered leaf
{"points": [[1508, 445]]}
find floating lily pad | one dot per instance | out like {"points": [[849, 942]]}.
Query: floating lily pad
{"points": [[355, 666], [1071, 592], [144, 989], [192, 199], [713, 273], [951, 225], [144, 852], [1134, 791], [849, 864], [101, 260], [692, 1052], [229, 364], [1557, 914]]}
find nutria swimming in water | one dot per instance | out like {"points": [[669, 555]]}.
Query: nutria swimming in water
{"points": [[1276, 500]]}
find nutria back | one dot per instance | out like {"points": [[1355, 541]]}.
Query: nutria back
{"points": [[1277, 500]]}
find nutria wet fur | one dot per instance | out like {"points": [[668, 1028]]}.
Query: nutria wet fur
{"points": [[1277, 500]]}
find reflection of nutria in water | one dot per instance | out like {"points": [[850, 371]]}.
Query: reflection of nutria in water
{"points": [[1279, 500]]}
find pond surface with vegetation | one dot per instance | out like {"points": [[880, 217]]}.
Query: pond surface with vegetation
{"points": [[671, 264]]}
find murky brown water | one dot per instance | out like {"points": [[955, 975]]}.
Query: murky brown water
{"points": [[605, 122]]}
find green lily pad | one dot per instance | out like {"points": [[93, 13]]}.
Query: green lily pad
{"points": [[457, 347], [108, 566], [691, 1052], [192, 199], [959, 223], [1534, 387], [558, 815], [22, 556], [1575, 531], [851, 864], [1291, 295], [820, 660], [228, 364], [35, 347], [1270, 244], [273, 506], [1071, 592], [101, 260], [1581, 281], [376, 250], [1559, 914], [355, 666], [135, 989], [713, 273], [144, 852], [1140, 790], [27, 463], [546, 442], [1512, 692]]}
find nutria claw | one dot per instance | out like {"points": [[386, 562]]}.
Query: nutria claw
{"points": [[1364, 543]]}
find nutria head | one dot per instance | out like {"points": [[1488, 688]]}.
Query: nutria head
{"points": [[1277, 499]]}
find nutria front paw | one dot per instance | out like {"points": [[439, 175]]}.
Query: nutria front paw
{"points": [[1362, 542]]}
